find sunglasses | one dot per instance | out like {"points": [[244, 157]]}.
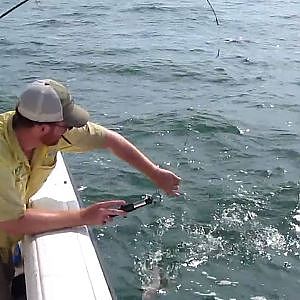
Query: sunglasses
{"points": [[65, 127]]}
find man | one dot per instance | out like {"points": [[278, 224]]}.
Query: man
{"points": [[45, 121]]}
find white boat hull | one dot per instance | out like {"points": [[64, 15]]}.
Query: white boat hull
{"points": [[62, 264]]}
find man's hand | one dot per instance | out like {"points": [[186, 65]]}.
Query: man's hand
{"points": [[102, 212], [167, 181]]}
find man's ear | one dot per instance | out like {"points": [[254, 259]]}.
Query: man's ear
{"points": [[43, 129]]}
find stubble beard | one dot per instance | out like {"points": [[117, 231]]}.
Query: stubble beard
{"points": [[50, 139]]}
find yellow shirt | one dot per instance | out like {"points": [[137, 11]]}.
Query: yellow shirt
{"points": [[19, 179]]}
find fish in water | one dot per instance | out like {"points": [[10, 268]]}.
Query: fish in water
{"points": [[157, 282]]}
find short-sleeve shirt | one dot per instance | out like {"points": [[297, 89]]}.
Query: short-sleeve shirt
{"points": [[20, 179]]}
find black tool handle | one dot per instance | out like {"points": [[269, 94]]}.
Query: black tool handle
{"points": [[128, 207], [133, 206]]}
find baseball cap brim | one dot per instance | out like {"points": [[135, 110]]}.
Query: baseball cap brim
{"points": [[75, 116]]}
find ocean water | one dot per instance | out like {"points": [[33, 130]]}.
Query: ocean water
{"points": [[218, 105]]}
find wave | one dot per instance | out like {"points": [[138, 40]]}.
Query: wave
{"points": [[177, 123]]}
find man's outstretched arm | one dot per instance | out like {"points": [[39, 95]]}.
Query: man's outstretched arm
{"points": [[121, 147]]}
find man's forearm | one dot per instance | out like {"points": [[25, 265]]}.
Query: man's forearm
{"points": [[39, 221], [129, 153], [163, 179]]}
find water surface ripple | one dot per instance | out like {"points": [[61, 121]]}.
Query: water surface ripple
{"points": [[228, 125]]}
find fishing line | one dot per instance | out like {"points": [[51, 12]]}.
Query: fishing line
{"points": [[13, 8]]}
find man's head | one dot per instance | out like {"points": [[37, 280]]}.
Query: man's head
{"points": [[47, 108], [49, 101]]}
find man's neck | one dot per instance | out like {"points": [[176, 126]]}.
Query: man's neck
{"points": [[26, 141]]}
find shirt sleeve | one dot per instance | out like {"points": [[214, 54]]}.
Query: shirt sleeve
{"points": [[11, 203], [86, 138]]}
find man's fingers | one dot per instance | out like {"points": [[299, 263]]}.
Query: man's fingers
{"points": [[110, 204], [115, 212], [108, 219], [174, 192], [177, 178]]}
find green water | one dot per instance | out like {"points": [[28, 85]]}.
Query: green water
{"points": [[228, 125]]}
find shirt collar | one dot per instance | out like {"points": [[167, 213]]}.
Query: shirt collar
{"points": [[13, 142]]}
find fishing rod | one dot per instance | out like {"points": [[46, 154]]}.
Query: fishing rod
{"points": [[13, 8], [212, 8], [217, 20], [24, 1]]}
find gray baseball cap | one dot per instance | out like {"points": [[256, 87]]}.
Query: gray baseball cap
{"points": [[50, 101]]}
